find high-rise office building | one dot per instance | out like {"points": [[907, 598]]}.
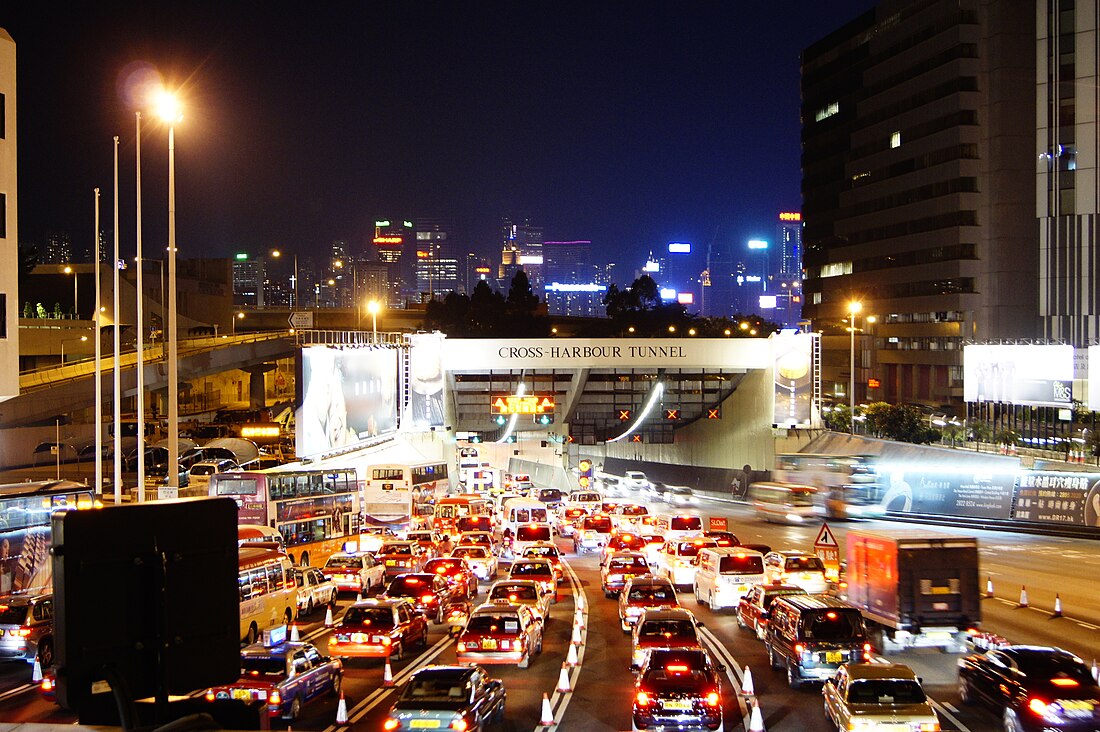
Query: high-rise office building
{"points": [[918, 163], [1068, 206], [521, 248], [395, 244], [248, 280], [436, 264], [57, 248], [790, 244], [9, 225]]}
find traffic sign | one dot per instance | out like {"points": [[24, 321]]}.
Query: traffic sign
{"points": [[825, 538], [301, 320], [719, 523], [828, 551]]}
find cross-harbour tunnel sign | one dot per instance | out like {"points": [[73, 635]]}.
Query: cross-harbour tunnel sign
{"points": [[574, 353]]}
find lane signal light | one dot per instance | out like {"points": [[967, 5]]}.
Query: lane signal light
{"points": [[636, 438], [714, 413], [672, 414], [624, 415]]}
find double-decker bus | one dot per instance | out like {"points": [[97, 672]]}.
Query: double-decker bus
{"points": [[25, 513], [847, 485], [316, 509], [396, 494], [268, 592]]}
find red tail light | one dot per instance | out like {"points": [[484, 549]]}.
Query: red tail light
{"points": [[24, 632], [1038, 706], [275, 699], [642, 699], [460, 647], [460, 725], [713, 699], [209, 695], [391, 724], [427, 598]]}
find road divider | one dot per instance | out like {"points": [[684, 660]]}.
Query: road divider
{"points": [[554, 706]]}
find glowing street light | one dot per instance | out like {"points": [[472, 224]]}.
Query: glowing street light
{"points": [[170, 111], [276, 254], [70, 270], [239, 316], [373, 307], [81, 339]]}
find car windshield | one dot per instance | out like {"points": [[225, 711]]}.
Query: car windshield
{"points": [[203, 470], [507, 624], [678, 628], [344, 563], [473, 552], [420, 536], [686, 523], [691, 548], [804, 564], [549, 495], [633, 510], [525, 568], [742, 564], [446, 687], [652, 594], [533, 533], [833, 625], [601, 524], [672, 680], [395, 549], [625, 540], [621, 563], [262, 665], [13, 614], [514, 592], [541, 551], [885, 691], [378, 617]]}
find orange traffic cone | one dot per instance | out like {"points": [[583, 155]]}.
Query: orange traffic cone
{"points": [[563, 680], [294, 637], [328, 617], [578, 618], [341, 711], [387, 675], [746, 683], [756, 719], [571, 657], [1057, 606], [989, 586], [547, 712], [1023, 596]]}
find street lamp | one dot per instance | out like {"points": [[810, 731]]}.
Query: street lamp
{"points": [[168, 107], [70, 270], [70, 340], [853, 307], [276, 254], [240, 316], [373, 308]]}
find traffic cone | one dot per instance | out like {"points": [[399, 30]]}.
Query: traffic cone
{"points": [[359, 596], [580, 602], [756, 719], [746, 683], [387, 675], [563, 680], [1023, 596], [1057, 606], [989, 586], [578, 618], [341, 711], [547, 712], [571, 657], [294, 637], [576, 639], [328, 617], [1095, 671], [36, 672]]}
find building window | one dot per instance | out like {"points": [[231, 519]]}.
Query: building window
{"points": [[836, 269], [895, 139], [827, 111]]}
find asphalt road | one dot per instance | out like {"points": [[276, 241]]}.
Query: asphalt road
{"points": [[602, 684]]}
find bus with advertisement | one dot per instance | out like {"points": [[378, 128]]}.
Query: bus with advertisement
{"points": [[269, 595], [395, 493], [450, 509], [25, 534]]}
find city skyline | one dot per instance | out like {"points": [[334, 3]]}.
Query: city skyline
{"points": [[630, 139]]}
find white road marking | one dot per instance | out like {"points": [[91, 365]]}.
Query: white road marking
{"points": [[560, 701]]}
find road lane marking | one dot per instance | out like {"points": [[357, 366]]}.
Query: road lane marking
{"points": [[559, 701], [733, 671], [942, 708], [15, 691]]}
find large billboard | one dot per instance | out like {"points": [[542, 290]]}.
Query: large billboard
{"points": [[349, 395], [952, 491], [1058, 498], [1018, 374], [794, 385], [425, 409]]}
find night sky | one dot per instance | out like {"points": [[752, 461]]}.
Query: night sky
{"points": [[630, 124]]}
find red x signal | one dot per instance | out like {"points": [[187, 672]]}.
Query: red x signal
{"points": [[715, 413], [672, 414], [624, 415], [636, 438]]}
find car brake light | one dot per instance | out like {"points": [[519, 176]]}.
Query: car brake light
{"points": [[275, 698], [209, 695], [460, 725], [676, 668], [1064, 682], [713, 699], [460, 647], [642, 699], [1038, 706], [24, 632], [391, 724], [386, 640], [427, 598], [930, 727]]}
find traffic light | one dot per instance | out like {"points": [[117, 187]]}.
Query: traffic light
{"points": [[624, 415], [585, 468], [500, 419], [544, 419], [474, 439], [672, 414]]}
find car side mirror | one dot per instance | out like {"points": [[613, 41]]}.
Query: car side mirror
{"points": [[700, 624], [721, 668]]}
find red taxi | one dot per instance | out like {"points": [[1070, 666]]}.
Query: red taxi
{"points": [[378, 628], [622, 542], [399, 557], [455, 570], [621, 568], [500, 632]]}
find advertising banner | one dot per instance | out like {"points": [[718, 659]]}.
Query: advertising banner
{"points": [[947, 493], [349, 395], [794, 387], [1058, 498], [1029, 375], [425, 409]]}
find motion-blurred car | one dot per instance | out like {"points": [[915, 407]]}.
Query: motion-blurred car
{"points": [[680, 495], [314, 590], [1032, 688], [448, 697], [663, 628], [523, 592], [878, 696], [427, 592], [634, 481], [482, 561], [644, 593], [500, 633], [620, 568], [378, 628], [678, 689], [286, 675], [752, 611], [26, 629]]}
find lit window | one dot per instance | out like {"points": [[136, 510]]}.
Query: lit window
{"points": [[836, 269], [895, 139], [817, 298], [827, 111]]}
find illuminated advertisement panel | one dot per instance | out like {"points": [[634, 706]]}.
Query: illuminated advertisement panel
{"points": [[1018, 374], [1093, 375], [349, 395], [1058, 498], [948, 492], [679, 247], [793, 379], [425, 382], [685, 298]]}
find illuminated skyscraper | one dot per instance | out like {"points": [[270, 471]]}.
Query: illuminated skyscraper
{"points": [[521, 249]]}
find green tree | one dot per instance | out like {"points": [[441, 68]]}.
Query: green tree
{"points": [[838, 418], [521, 300]]}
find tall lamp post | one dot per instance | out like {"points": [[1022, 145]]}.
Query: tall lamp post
{"points": [[76, 312], [853, 307], [169, 111], [294, 300], [81, 339], [372, 308]]}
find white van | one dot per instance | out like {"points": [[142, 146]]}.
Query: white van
{"points": [[590, 501], [523, 512], [725, 574], [635, 481], [529, 534], [675, 526]]}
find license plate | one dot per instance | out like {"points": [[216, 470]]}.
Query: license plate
{"points": [[244, 694], [678, 704], [1076, 708], [489, 644], [424, 723], [833, 656], [358, 637], [391, 563]]}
